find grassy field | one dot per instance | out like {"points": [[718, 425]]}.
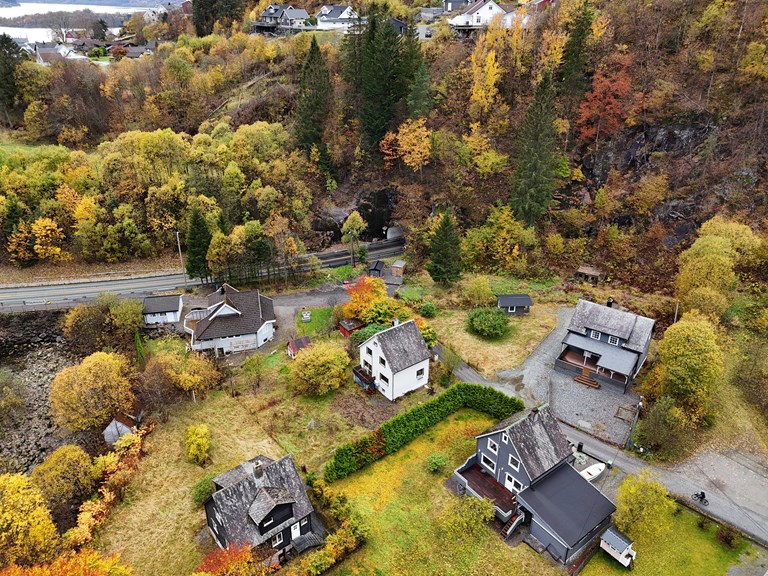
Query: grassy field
{"points": [[320, 322], [688, 549], [488, 357], [400, 500]]}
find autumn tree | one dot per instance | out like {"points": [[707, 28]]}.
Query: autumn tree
{"points": [[353, 227], [535, 179], [362, 295], [198, 242], [89, 394], [444, 266], [188, 371], [743, 239], [27, 533], [205, 13], [314, 99], [21, 245], [708, 263], [414, 143], [604, 110], [500, 245], [197, 444], [66, 474], [319, 368], [691, 365], [649, 194], [84, 562], [643, 507]]}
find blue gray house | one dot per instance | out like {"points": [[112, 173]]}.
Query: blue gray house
{"points": [[523, 465], [261, 501], [605, 345]]}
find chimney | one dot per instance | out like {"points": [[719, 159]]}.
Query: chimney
{"points": [[395, 322], [221, 290], [609, 303], [257, 469]]}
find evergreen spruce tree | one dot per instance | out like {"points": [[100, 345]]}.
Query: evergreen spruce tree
{"points": [[444, 262], [13, 214], [573, 80], [314, 101], [10, 58], [410, 55], [420, 95], [351, 53], [198, 240], [535, 180]]}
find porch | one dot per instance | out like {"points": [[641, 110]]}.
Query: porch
{"points": [[578, 360], [364, 378], [477, 482]]}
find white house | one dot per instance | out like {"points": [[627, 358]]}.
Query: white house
{"points": [[234, 321], [480, 13], [162, 309], [395, 360], [333, 17]]}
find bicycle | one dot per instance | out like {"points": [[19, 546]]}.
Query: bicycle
{"points": [[699, 498]]}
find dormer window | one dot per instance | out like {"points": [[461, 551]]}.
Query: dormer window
{"points": [[595, 335], [613, 340], [505, 438], [268, 521]]}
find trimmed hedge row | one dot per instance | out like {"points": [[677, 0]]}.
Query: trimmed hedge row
{"points": [[403, 428]]}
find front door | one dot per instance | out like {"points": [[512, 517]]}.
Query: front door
{"points": [[295, 531]]}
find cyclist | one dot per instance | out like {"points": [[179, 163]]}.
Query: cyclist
{"points": [[702, 496]]}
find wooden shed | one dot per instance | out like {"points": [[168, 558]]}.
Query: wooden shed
{"points": [[346, 327], [398, 268], [618, 545], [589, 274]]}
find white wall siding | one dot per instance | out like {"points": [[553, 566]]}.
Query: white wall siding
{"points": [[406, 381]]}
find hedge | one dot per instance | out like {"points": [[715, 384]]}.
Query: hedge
{"points": [[403, 428]]}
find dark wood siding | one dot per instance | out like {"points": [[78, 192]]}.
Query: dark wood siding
{"points": [[278, 515], [502, 459]]}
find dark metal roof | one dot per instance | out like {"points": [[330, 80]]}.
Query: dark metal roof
{"points": [[247, 495], [616, 539], [537, 437], [567, 503], [402, 346], [158, 304], [508, 300], [378, 266], [252, 311], [633, 328]]}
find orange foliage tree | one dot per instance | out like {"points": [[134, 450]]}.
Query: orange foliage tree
{"points": [[86, 562], [363, 294], [234, 561]]}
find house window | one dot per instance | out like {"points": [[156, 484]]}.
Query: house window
{"points": [[368, 351], [382, 362], [512, 309], [516, 485], [505, 438], [594, 334], [304, 521], [268, 521], [367, 365], [514, 462], [613, 340], [384, 379], [278, 539], [478, 19], [488, 463], [420, 373], [492, 446]]}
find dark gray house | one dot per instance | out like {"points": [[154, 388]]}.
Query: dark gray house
{"points": [[605, 344], [523, 465], [261, 501], [517, 304]]}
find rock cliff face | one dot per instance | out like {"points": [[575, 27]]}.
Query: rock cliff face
{"points": [[26, 331]]}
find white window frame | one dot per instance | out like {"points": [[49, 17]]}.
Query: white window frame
{"points": [[304, 521], [491, 465], [505, 438], [594, 334], [382, 362], [268, 521], [515, 483], [516, 468], [478, 19], [384, 379], [613, 340], [368, 351], [493, 446], [512, 309], [420, 374], [277, 539]]}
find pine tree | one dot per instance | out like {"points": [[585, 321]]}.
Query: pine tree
{"points": [[420, 96], [444, 262], [573, 81], [198, 240], [10, 58], [13, 214], [314, 101], [535, 180]]}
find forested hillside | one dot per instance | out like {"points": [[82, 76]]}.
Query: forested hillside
{"points": [[602, 132]]}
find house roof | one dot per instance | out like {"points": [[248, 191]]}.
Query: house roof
{"points": [[589, 271], [633, 328], [399, 263], [334, 11], [378, 266], [275, 9], [508, 300], [613, 358], [616, 539], [245, 495], [567, 503], [537, 437], [350, 324], [234, 313], [475, 6], [158, 304], [296, 13], [299, 343], [402, 345], [115, 430]]}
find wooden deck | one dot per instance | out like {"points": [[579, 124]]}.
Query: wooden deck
{"points": [[486, 486], [578, 360]]}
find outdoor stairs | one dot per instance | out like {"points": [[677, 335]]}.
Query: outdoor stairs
{"points": [[511, 525], [585, 379]]}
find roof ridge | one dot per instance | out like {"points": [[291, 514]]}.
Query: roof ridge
{"points": [[391, 328]]}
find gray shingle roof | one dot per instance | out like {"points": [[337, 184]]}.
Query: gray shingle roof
{"points": [[296, 14], [335, 12], [247, 495], [537, 437], [616, 539], [299, 343], [402, 346], [612, 358], [158, 304], [254, 310], [633, 328], [507, 300], [567, 503]]}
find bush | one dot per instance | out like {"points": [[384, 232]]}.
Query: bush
{"points": [[428, 310], [405, 427], [489, 323], [197, 443], [477, 291], [320, 368], [703, 522], [359, 336], [435, 463], [728, 536], [204, 489]]}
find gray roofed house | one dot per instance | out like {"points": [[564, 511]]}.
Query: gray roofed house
{"points": [[605, 344], [296, 345], [395, 361], [337, 17], [162, 309], [281, 18], [234, 321], [517, 304], [523, 464], [261, 501], [618, 545]]}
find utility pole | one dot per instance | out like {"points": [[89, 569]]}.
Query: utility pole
{"points": [[181, 259]]}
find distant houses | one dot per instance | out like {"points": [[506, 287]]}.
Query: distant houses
{"points": [[281, 18], [162, 309], [336, 17]]}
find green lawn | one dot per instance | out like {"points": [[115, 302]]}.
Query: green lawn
{"points": [[400, 499], [319, 324], [687, 549]]}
